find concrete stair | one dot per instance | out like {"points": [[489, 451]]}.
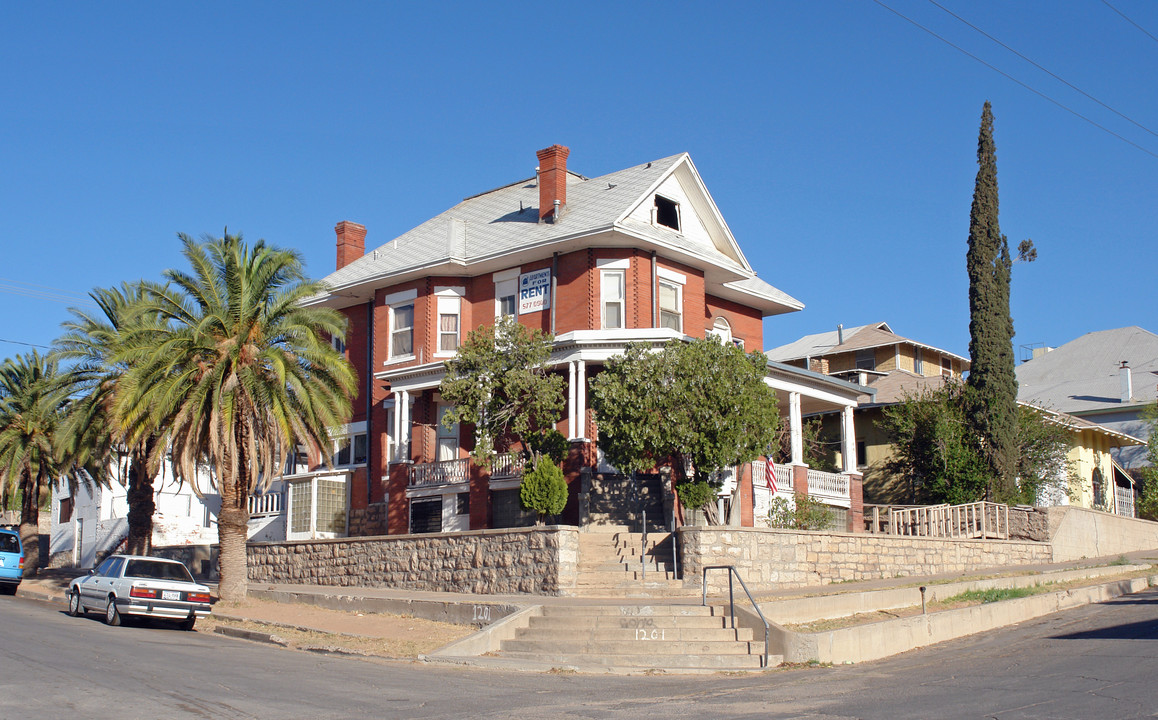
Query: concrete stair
{"points": [[613, 562], [636, 637]]}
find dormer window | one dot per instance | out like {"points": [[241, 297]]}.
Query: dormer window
{"points": [[866, 359], [667, 213]]}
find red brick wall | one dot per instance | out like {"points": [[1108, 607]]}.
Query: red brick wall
{"points": [[747, 324]]}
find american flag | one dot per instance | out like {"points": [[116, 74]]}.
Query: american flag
{"points": [[770, 475]]}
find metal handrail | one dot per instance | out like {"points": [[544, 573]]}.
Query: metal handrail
{"points": [[732, 600]]}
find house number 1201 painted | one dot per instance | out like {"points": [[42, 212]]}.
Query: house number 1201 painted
{"points": [[645, 634]]}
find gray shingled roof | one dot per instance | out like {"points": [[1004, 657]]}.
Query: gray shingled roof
{"points": [[1083, 374], [505, 220], [815, 345]]}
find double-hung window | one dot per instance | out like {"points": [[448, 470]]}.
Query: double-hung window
{"points": [[400, 323], [612, 285], [402, 330], [506, 292], [671, 298], [449, 318]]}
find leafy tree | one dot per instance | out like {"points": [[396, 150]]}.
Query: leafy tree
{"points": [[34, 405], [803, 513], [935, 449], [943, 460], [242, 371], [99, 344], [500, 382], [992, 396], [543, 489], [701, 403]]}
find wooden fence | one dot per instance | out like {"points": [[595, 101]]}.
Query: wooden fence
{"points": [[984, 520]]}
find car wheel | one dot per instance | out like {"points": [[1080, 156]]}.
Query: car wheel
{"points": [[187, 625], [112, 617], [74, 608]]}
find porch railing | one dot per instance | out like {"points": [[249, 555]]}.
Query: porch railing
{"points": [[827, 484], [507, 465], [443, 472], [783, 476], [268, 504]]}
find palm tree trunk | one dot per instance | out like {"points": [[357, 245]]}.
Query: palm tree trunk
{"points": [[141, 505], [30, 524], [232, 533]]}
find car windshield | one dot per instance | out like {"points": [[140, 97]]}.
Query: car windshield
{"points": [[9, 543], [157, 570]]}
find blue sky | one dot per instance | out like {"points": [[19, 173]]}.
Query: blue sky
{"points": [[838, 139]]}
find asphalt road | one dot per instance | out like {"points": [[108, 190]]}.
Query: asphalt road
{"points": [[1099, 661]]}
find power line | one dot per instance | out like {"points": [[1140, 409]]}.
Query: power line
{"points": [[1127, 19], [17, 342], [44, 292], [1039, 93], [1047, 72]]}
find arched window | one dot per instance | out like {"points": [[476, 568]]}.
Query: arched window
{"points": [[722, 329]]}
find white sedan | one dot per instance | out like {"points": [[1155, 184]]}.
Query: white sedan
{"points": [[138, 585]]}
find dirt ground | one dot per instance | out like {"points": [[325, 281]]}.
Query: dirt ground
{"points": [[378, 634]]}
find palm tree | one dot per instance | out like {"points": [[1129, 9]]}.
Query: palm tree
{"points": [[100, 344], [242, 372], [34, 405]]}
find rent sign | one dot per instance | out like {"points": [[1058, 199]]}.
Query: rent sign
{"points": [[534, 291]]}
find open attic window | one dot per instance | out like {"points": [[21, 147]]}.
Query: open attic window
{"points": [[667, 213]]}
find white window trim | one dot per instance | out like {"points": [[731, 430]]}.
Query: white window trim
{"points": [[675, 277], [613, 263], [513, 284], [391, 358], [511, 274], [679, 301], [337, 441], [604, 273], [449, 300]]}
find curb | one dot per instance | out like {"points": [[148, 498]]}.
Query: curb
{"points": [[243, 634]]}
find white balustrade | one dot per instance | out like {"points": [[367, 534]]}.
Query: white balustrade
{"points": [[445, 472], [268, 504]]}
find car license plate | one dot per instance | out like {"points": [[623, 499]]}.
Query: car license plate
{"points": [[170, 595]]}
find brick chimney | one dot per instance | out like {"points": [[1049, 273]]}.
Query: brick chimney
{"points": [[552, 181], [351, 242]]}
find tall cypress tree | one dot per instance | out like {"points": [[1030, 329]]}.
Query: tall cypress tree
{"points": [[992, 396]]}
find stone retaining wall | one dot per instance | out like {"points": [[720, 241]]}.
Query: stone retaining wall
{"points": [[539, 561], [771, 559]]}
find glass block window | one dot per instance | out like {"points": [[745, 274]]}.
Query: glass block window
{"points": [[331, 506], [299, 503]]}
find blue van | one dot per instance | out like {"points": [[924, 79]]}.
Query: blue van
{"points": [[11, 561]]}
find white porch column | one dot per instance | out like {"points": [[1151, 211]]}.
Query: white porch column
{"points": [[847, 440], [571, 400], [796, 428], [395, 431], [404, 427], [581, 399]]}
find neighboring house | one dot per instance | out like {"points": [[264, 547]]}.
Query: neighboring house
{"points": [[1108, 377], [896, 368], [638, 255], [893, 366], [93, 522], [1095, 479]]}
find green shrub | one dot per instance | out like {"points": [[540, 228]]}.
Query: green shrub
{"points": [[808, 514], [696, 494], [544, 490]]}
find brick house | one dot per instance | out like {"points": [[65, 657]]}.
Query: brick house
{"points": [[638, 255]]}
